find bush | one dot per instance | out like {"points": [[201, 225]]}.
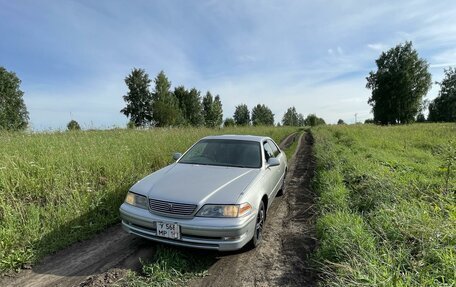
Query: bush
{"points": [[73, 126], [229, 122], [131, 125]]}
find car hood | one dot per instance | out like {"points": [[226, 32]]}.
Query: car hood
{"points": [[197, 184]]}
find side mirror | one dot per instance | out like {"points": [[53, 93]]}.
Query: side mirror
{"points": [[176, 156], [273, 162]]}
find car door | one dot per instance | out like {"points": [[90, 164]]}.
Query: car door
{"points": [[272, 172], [279, 155]]}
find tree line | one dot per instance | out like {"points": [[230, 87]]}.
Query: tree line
{"points": [[398, 87], [162, 107]]}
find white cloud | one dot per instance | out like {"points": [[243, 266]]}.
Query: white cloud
{"points": [[443, 65], [339, 50], [376, 46], [246, 58], [445, 58]]}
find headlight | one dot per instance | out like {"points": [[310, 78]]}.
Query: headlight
{"points": [[136, 200], [219, 210]]}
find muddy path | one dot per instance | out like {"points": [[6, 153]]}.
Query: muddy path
{"points": [[281, 260]]}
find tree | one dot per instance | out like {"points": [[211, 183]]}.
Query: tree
{"points": [[443, 108], [398, 85], [190, 105], [262, 115], [13, 112], [138, 98], [290, 118], [340, 122], [420, 118], [312, 120], [73, 126], [301, 121], [208, 102], [165, 106], [212, 110], [369, 121], [229, 122], [242, 115], [218, 111]]}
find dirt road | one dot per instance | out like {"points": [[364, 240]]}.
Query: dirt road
{"points": [[281, 260]]}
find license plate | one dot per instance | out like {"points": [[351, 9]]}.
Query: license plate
{"points": [[168, 230]]}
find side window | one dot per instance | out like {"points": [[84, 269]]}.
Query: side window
{"points": [[197, 150], [268, 153], [275, 150]]}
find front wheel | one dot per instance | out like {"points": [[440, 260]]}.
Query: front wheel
{"points": [[260, 220]]}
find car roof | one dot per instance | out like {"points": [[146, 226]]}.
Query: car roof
{"points": [[239, 137]]}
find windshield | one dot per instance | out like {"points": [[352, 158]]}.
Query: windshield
{"points": [[237, 153]]}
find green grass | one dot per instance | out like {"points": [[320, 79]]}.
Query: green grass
{"points": [[59, 188], [387, 208], [169, 267]]}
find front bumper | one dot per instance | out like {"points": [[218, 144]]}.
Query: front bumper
{"points": [[223, 234]]}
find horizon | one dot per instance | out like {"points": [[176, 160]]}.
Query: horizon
{"points": [[72, 57]]}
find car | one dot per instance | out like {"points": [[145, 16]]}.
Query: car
{"points": [[214, 196]]}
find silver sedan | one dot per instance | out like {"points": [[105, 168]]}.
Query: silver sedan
{"points": [[215, 196]]}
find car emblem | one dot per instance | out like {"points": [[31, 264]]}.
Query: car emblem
{"points": [[170, 207]]}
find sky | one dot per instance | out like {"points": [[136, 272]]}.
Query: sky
{"points": [[73, 56]]}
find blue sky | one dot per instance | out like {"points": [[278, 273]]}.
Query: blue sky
{"points": [[72, 56]]}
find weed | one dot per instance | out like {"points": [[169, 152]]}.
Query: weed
{"points": [[169, 267], [447, 153]]}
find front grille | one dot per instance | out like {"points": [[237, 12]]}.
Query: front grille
{"points": [[172, 208]]}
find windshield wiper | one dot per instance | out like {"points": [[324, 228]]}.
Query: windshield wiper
{"points": [[197, 163]]}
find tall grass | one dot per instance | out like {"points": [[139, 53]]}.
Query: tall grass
{"points": [[387, 205], [58, 188]]}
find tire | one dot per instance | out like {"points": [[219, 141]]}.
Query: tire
{"points": [[259, 225], [282, 188]]}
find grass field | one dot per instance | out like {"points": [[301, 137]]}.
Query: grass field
{"points": [[387, 208], [56, 189]]}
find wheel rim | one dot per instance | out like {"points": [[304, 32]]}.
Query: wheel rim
{"points": [[260, 223]]}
